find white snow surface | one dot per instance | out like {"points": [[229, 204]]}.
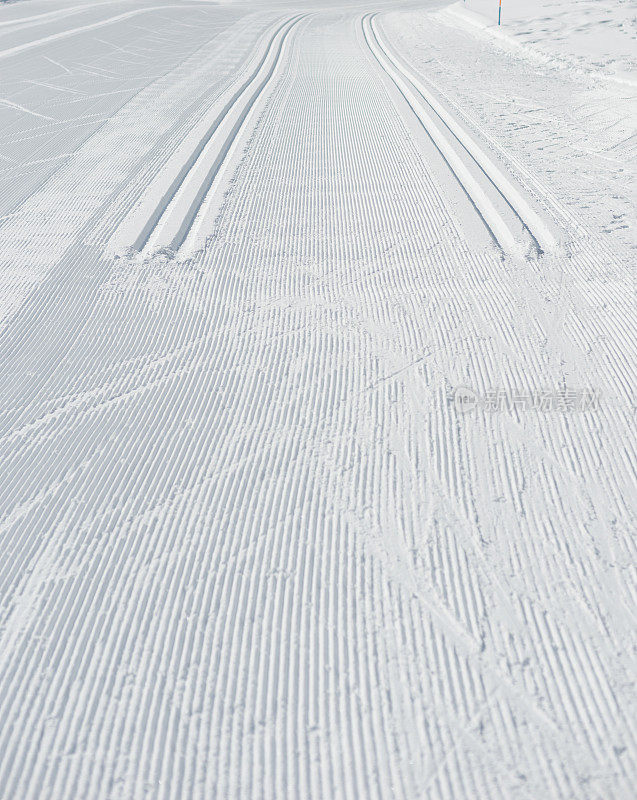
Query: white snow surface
{"points": [[253, 541], [592, 36]]}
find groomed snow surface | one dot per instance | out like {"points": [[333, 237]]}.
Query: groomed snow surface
{"points": [[317, 405]]}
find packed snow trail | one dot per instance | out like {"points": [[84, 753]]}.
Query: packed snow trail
{"points": [[251, 547]]}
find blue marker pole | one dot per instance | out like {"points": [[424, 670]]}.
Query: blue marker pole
{"points": [[500, 12]]}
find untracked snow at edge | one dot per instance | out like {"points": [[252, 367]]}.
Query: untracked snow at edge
{"points": [[317, 405]]}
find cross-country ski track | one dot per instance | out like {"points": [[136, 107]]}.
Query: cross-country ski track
{"points": [[251, 548]]}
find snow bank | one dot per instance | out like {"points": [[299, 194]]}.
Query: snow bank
{"points": [[588, 35]]}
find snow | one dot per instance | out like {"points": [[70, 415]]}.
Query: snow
{"points": [[317, 447], [588, 35]]}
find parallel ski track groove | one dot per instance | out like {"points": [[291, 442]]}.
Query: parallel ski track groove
{"points": [[542, 238], [153, 225]]}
